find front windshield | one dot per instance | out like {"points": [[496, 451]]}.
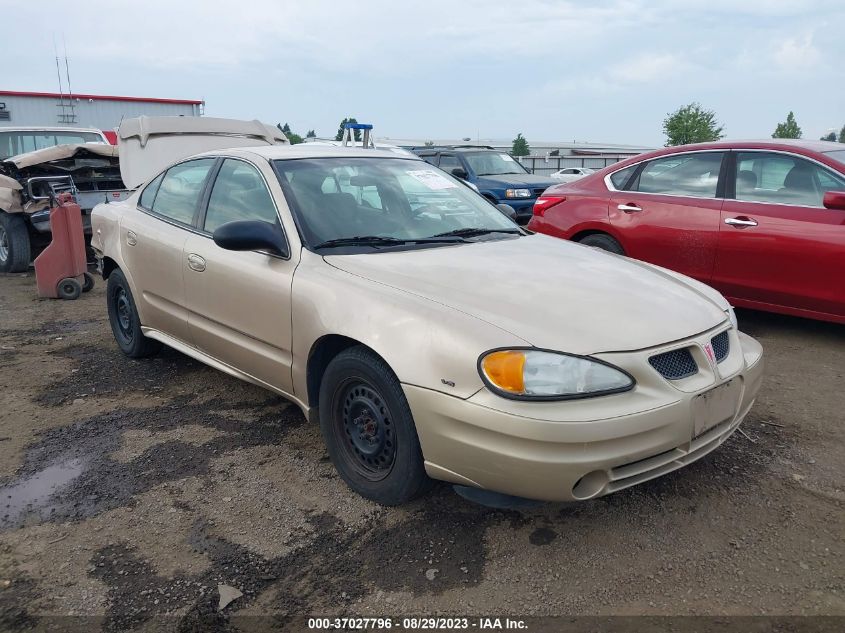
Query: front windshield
{"points": [[493, 164], [838, 155], [391, 198]]}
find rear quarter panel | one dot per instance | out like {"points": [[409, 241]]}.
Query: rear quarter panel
{"points": [[584, 209]]}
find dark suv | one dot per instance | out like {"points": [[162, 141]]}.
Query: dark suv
{"points": [[497, 175]]}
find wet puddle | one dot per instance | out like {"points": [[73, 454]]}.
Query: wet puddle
{"points": [[35, 493]]}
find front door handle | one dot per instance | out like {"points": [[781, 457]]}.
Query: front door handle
{"points": [[741, 221], [195, 262], [629, 208], [131, 238]]}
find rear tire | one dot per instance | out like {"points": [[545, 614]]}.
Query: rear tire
{"points": [[369, 430], [124, 320], [604, 242], [15, 251]]}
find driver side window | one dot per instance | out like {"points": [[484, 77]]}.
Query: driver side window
{"points": [[239, 193]]}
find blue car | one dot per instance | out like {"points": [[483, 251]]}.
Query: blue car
{"points": [[497, 175]]}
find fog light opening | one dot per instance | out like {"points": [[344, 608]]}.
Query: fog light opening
{"points": [[590, 485]]}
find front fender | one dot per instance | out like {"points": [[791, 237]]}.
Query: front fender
{"points": [[425, 343]]}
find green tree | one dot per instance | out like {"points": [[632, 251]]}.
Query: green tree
{"points": [[691, 124], [429, 143], [311, 134], [293, 137], [341, 129], [842, 135], [788, 129], [520, 146], [831, 136]]}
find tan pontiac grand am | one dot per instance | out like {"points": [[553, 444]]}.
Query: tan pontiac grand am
{"points": [[430, 336]]}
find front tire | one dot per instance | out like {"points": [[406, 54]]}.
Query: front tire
{"points": [[369, 430], [124, 320], [604, 242], [15, 250]]}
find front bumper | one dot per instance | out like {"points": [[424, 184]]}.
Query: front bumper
{"points": [[580, 449]]}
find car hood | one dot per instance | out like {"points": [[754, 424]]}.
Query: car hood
{"points": [[515, 181], [61, 152], [150, 144], [550, 293]]}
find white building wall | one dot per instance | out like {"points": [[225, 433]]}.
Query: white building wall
{"points": [[104, 114]]}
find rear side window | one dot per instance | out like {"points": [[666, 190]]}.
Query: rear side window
{"points": [[239, 193], [695, 175], [180, 189], [448, 162], [149, 194], [621, 177]]}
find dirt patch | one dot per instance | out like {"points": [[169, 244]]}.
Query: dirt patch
{"points": [[133, 488]]}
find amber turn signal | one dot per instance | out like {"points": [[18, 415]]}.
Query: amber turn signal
{"points": [[505, 370]]}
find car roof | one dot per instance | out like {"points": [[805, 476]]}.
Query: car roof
{"points": [[313, 150], [456, 148], [776, 143]]}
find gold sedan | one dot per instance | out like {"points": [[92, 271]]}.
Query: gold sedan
{"points": [[430, 336]]}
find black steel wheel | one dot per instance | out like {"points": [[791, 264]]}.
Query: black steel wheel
{"points": [[362, 417], [124, 320], [369, 430]]}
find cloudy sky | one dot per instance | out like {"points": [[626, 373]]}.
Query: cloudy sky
{"points": [[553, 70]]}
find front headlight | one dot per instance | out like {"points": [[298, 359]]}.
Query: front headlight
{"points": [[534, 374], [517, 193], [732, 317]]}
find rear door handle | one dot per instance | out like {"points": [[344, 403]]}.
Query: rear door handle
{"points": [[740, 222], [195, 262], [629, 208], [131, 238]]}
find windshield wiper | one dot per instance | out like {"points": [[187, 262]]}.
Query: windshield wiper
{"points": [[474, 232], [383, 240]]}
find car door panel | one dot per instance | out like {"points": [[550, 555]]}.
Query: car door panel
{"points": [[662, 225], [786, 255], [152, 250], [152, 242], [240, 308]]}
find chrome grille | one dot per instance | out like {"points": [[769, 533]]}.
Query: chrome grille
{"points": [[674, 365], [721, 346]]}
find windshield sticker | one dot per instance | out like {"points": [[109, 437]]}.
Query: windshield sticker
{"points": [[507, 157], [431, 179]]}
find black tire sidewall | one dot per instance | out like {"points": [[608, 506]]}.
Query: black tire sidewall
{"points": [[69, 289], [604, 242], [17, 236], [407, 478], [139, 345]]}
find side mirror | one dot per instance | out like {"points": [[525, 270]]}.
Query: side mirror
{"points": [[834, 200], [508, 210], [460, 172], [251, 235]]}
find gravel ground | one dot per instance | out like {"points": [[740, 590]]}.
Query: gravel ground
{"points": [[132, 489]]}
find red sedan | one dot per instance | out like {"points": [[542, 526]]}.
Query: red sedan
{"points": [[761, 221]]}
